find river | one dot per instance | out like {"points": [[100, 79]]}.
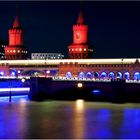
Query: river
{"points": [[68, 119]]}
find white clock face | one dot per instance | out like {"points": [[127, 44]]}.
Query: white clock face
{"points": [[77, 35]]}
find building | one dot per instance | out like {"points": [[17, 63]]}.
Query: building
{"points": [[38, 56], [3, 44], [16, 49], [80, 48]]}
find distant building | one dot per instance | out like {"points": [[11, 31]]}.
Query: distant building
{"points": [[46, 56], [3, 44]]}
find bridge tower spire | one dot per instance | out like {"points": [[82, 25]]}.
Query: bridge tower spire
{"points": [[80, 47], [16, 48]]}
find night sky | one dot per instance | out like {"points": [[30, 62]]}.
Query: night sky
{"points": [[114, 27]]}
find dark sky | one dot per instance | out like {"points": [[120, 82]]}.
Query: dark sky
{"points": [[114, 27]]}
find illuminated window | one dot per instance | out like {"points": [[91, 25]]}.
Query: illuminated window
{"points": [[80, 49], [77, 35], [18, 51], [72, 49], [14, 51], [76, 49], [7, 51], [85, 49], [10, 51]]}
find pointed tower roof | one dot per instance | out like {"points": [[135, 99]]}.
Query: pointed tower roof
{"points": [[80, 18], [16, 22]]}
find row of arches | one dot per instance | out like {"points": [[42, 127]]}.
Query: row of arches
{"points": [[104, 75]]}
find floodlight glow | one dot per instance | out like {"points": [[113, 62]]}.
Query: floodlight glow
{"points": [[23, 80], [79, 85], [2, 73], [18, 71], [48, 71], [13, 73], [14, 89]]}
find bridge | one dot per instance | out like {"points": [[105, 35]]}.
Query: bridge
{"points": [[128, 69], [107, 90]]}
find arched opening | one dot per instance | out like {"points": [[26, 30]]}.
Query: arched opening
{"points": [[119, 75], [33, 73], [13, 73], [89, 75], [81, 75], [1, 73], [103, 75], [136, 76], [68, 75], [126, 75], [96, 75], [111, 75]]}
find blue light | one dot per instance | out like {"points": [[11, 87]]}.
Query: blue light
{"points": [[81, 75], [96, 92], [119, 75], [14, 98], [2, 73], [13, 74], [89, 75], [136, 76], [127, 75], [111, 75], [103, 75], [68, 75]]}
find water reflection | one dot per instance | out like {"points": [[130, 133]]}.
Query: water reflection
{"points": [[63, 119], [79, 119], [13, 121]]}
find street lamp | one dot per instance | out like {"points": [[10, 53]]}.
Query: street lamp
{"points": [[23, 80]]}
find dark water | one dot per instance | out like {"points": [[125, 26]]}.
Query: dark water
{"points": [[68, 119]]}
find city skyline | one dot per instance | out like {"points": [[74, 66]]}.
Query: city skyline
{"points": [[113, 26]]}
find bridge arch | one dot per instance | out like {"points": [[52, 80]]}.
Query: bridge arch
{"points": [[68, 75], [89, 75], [126, 75], [119, 75], [96, 75], [103, 75], [13, 73], [32, 73], [136, 76], [1, 73], [81, 75], [111, 75]]}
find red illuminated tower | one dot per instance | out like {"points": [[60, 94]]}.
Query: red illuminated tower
{"points": [[80, 47], [16, 49]]}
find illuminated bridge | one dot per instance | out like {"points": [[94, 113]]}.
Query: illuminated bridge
{"points": [[126, 68]]}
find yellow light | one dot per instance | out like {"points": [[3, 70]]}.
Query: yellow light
{"points": [[79, 85], [79, 105], [80, 49]]}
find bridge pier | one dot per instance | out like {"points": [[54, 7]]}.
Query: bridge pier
{"points": [[47, 88]]}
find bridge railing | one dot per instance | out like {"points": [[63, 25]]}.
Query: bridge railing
{"points": [[59, 78]]}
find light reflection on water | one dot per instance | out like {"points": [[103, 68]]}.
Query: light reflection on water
{"points": [[69, 119]]}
